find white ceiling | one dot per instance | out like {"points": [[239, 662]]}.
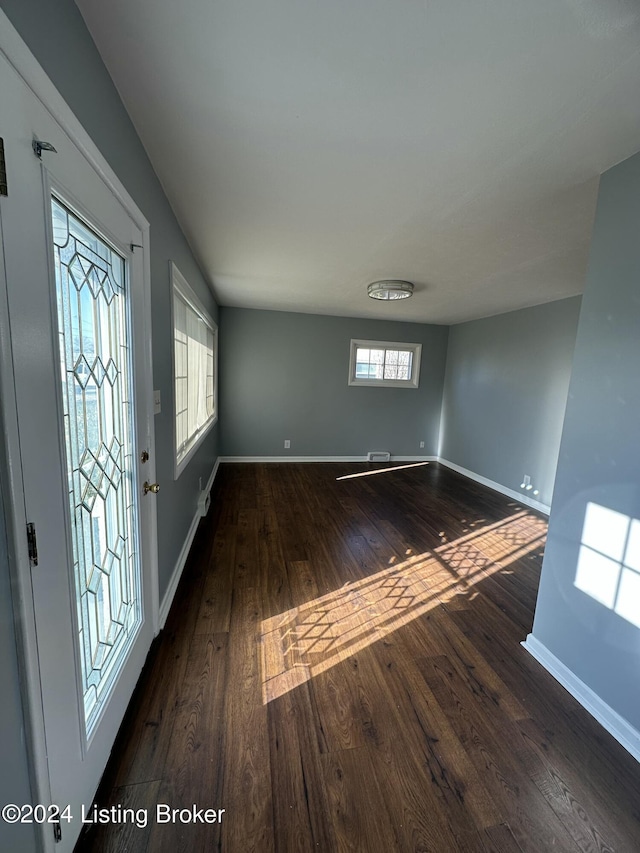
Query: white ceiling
{"points": [[309, 147]]}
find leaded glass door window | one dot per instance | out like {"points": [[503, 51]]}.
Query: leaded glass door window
{"points": [[97, 396]]}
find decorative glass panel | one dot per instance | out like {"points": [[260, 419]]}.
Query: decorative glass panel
{"points": [[98, 422]]}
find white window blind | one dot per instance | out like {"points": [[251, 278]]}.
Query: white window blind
{"points": [[195, 341]]}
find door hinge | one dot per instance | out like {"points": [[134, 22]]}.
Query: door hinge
{"points": [[33, 543], [57, 831], [3, 171]]}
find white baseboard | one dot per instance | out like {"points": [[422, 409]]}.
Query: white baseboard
{"points": [[617, 726], [323, 459], [169, 595], [497, 487], [293, 459]]}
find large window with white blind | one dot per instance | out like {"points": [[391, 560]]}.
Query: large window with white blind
{"points": [[195, 343]]}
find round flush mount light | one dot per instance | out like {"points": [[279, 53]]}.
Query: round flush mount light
{"points": [[390, 289]]}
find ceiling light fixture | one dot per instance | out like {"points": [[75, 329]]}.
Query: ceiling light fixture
{"points": [[390, 289]]}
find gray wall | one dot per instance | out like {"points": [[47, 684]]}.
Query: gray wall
{"points": [[599, 454], [14, 773], [56, 34], [505, 394], [285, 376]]}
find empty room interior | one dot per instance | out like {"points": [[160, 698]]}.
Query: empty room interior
{"points": [[320, 414]]}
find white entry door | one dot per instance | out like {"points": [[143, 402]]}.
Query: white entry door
{"points": [[74, 263]]}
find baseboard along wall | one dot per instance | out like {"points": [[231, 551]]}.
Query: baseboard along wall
{"points": [[521, 497], [169, 595], [323, 459], [626, 735]]}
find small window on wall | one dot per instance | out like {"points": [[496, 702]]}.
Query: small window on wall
{"points": [[195, 362], [382, 363]]}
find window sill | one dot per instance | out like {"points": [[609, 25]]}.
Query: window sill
{"points": [[182, 463]]}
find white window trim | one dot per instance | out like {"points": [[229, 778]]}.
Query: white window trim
{"points": [[181, 285], [413, 382]]}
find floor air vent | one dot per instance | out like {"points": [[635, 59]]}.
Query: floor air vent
{"points": [[378, 456]]}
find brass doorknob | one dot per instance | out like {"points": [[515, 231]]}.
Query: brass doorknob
{"points": [[151, 487]]}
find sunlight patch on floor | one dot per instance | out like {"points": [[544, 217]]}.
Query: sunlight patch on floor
{"points": [[382, 471], [307, 640]]}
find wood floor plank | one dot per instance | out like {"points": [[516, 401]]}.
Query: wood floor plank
{"points": [[359, 521], [500, 840], [143, 756], [292, 800], [274, 579], [246, 754], [129, 812], [532, 821], [580, 825], [214, 612], [312, 742], [486, 687], [361, 824], [432, 731], [496, 638], [193, 767], [584, 743], [424, 795], [571, 796], [339, 710]]}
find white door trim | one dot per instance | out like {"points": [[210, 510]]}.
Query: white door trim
{"points": [[28, 68], [19, 566]]}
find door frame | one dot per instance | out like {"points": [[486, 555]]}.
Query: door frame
{"points": [[28, 68]]}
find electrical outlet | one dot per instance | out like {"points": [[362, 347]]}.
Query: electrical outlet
{"points": [[422, 444], [287, 443]]}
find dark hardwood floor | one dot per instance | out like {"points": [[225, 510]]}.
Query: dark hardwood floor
{"points": [[342, 670]]}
